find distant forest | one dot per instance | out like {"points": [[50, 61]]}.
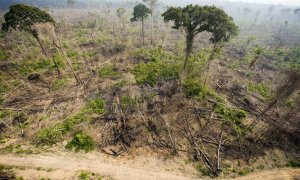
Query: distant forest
{"points": [[4, 4]]}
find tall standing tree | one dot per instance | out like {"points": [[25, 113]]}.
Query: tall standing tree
{"points": [[140, 13], [195, 19], [121, 12], [21, 17], [152, 4], [24, 18], [221, 26], [71, 3]]}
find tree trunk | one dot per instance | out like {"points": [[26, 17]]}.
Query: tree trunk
{"points": [[151, 28], [143, 34], [189, 48], [42, 47], [68, 62], [56, 66], [211, 57]]}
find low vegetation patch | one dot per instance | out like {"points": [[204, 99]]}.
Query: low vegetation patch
{"points": [[108, 71], [53, 134], [260, 88], [193, 87], [81, 141], [161, 67], [294, 164], [3, 55], [234, 116]]}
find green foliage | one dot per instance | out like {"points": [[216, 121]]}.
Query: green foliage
{"points": [[193, 87], [140, 12], [81, 141], [289, 58], [206, 172], [6, 172], [128, 102], [84, 175], [121, 12], [3, 88], [6, 113], [17, 149], [260, 88], [293, 164], [3, 55], [89, 24], [72, 54], [118, 48], [196, 19], [1, 100], [58, 84], [245, 171], [162, 66], [108, 71], [96, 106], [22, 17], [151, 73], [290, 102], [29, 66], [54, 133], [234, 116]]}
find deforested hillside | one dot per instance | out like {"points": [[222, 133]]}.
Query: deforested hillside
{"points": [[150, 89]]}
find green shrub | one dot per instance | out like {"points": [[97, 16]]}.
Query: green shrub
{"points": [[84, 175], [91, 53], [118, 48], [1, 100], [161, 66], [2, 34], [3, 88], [96, 106], [55, 133], [108, 71], [81, 141], [3, 55], [260, 88], [192, 87], [128, 102], [150, 73], [206, 172], [235, 116], [29, 66], [245, 171], [59, 83], [290, 102], [294, 164], [6, 113], [72, 54]]}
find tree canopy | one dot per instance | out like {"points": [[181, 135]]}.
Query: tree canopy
{"points": [[140, 12], [195, 19], [22, 17], [120, 12]]}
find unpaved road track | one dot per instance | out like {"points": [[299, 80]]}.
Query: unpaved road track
{"points": [[75, 164], [64, 165]]}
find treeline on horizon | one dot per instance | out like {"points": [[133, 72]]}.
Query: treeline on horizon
{"points": [[5, 4]]}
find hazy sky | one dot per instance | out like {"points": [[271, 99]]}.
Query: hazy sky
{"points": [[285, 2]]}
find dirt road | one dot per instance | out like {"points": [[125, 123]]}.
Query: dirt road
{"points": [[65, 166]]}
